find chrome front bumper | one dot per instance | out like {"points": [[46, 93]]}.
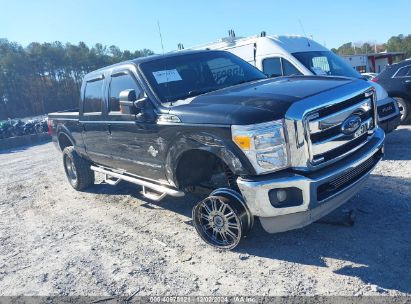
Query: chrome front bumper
{"points": [[256, 190]]}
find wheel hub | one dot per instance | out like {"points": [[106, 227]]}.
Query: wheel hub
{"points": [[218, 221], [71, 169]]}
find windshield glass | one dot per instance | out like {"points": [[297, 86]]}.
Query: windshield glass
{"points": [[187, 75], [326, 63]]}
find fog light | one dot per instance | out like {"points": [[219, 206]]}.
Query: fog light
{"points": [[281, 195], [285, 197]]}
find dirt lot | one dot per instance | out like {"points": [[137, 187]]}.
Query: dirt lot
{"points": [[110, 241]]}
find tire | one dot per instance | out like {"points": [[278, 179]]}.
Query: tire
{"points": [[77, 169], [222, 219], [405, 109]]}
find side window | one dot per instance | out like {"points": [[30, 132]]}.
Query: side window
{"points": [[93, 98], [289, 69], [272, 67], [120, 83], [403, 72]]}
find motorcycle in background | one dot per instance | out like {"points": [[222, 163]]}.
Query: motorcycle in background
{"points": [[30, 127]]}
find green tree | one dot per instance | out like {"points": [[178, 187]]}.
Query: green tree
{"points": [[45, 77]]}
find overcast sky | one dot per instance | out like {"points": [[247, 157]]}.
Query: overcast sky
{"points": [[133, 24]]}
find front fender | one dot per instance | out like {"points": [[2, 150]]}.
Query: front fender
{"points": [[223, 149]]}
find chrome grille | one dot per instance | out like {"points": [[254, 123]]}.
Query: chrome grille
{"points": [[327, 141]]}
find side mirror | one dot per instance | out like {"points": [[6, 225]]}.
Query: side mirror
{"points": [[127, 98], [129, 103]]}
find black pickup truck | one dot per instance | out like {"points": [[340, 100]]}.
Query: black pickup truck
{"points": [[287, 150]]}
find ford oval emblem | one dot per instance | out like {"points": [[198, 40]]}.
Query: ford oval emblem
{"points": [[351, 124]]}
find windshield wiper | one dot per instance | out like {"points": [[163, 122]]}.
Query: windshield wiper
{"points": [[193, 93], [197, 92], [250, 80]]}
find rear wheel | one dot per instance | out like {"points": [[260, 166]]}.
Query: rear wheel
{"points": [[405, 109], [77, 169], [222, 218]]}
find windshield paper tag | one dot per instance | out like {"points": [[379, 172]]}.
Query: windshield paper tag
{"points": [[167, 76]]}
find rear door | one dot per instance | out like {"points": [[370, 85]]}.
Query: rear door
{"points": [[92, 117], [133, 139]]}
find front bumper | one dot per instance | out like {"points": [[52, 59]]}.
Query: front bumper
{"points": [[389, 117], [346, 177]]}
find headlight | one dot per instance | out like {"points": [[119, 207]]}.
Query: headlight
{"points": [[263, 144]]}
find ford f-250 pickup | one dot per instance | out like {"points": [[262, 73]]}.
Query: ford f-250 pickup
{"points": [[287, 150]]}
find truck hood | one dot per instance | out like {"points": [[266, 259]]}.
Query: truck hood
{"points": [[254, 102]]}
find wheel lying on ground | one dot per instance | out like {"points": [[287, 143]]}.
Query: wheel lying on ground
{"points": [[222, 218], [77, 169]]}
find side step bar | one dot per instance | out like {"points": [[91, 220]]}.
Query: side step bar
{"points": [[145, 184]]}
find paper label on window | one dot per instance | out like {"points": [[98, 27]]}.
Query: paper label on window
{"points": [[166, 76], [319, 71]]}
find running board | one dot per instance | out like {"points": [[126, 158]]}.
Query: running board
{"points": [[163, 190]]}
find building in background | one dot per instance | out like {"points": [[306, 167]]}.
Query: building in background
{"points": [[373, 62]]}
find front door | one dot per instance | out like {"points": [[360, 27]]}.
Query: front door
{"points": [[133, 140]]}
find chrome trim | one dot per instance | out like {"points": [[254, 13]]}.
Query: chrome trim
{"points": [[156, 181], [337, 141], [395, 74], [255, 190], [155, 187], [296, 121], [324, 123], [337, 119]]}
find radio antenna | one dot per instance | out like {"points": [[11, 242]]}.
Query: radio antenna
{"points": [[165, 67], [302, 28], [161, 37]]}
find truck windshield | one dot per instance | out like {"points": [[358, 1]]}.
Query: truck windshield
{"points": [[187, 75], [326, 63]]}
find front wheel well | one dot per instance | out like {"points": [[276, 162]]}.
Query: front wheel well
{"points": [[203, 168]]}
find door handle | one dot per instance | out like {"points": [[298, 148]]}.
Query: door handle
{"points": [[407, 81], [109, 129]]}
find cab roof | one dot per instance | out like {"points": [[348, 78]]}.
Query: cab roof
{"points": [[139, 60]]}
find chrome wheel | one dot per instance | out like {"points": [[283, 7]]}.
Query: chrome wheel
{"points": [[222, 219], [217, 222], [70, 169]]}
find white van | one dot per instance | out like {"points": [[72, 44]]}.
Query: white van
{"points": [[296, 55]]}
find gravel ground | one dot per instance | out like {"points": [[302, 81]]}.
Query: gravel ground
{"points": [[111, 241]]}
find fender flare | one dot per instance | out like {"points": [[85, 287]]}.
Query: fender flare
{"points": [[62, 130]]}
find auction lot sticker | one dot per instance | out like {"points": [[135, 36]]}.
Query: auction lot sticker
{"points": [[166, 76]]}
